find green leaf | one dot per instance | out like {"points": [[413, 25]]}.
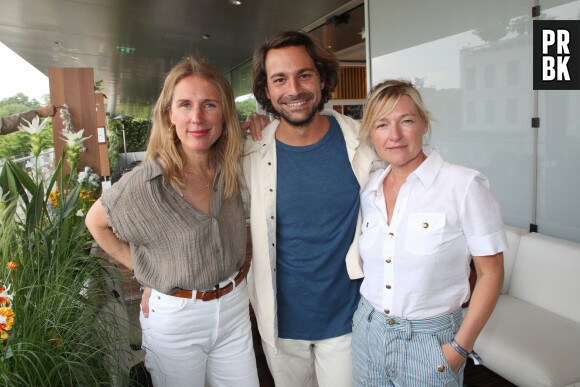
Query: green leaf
{"points": [[57, 170], [22, 177], [11, 185], [79, 231], [34, 209], [69, 203]]}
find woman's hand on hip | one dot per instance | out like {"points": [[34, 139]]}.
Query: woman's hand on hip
{"points": [[145, 301], [453, 357]]}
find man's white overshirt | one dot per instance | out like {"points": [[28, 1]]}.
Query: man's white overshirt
{"points": [[260, 170]]}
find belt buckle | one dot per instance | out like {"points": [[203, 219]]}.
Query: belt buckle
{"points": [[206, 292]]}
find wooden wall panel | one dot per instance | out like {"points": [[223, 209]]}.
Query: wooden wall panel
{"points": [[352, 83], [75, 88]]}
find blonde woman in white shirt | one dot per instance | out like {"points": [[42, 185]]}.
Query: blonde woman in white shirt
{"points": [[424, 220]]}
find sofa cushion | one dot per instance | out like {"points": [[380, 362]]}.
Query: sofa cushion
{"points": [[529, 346], [513, 235], [546, 273]]}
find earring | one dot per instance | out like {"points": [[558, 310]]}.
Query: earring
{"points": [[173, 134]]}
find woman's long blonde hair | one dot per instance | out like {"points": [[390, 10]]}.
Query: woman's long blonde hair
{"points": [[228, 146]]}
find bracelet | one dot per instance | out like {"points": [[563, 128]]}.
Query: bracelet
{"points": [[476, 359], [142, 288]]}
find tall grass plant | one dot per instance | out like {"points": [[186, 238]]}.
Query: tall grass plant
{"points": [[64, 333]]}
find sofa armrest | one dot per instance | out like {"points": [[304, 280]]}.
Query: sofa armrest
{"points": [[513, 235]]}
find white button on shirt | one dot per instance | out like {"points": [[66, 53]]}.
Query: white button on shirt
{"points": [[418, 266]]}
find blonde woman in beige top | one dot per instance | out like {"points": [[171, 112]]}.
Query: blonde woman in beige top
{"points": [[178, 222]]}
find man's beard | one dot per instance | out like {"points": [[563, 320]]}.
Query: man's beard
{"points": [[308, 119]]}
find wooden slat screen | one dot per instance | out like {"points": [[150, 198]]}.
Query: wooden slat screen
{"points": [[352, 83]]}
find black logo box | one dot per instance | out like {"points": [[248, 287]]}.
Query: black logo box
{"points": [[573, 64]]}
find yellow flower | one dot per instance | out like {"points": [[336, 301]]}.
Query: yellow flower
{"points": [[3, 335], [53, 197], [6, 318], [12, 265]]}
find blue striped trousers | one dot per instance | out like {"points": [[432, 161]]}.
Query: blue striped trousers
{"points": [[390, 351]]}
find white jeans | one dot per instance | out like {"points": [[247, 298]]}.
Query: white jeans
{"points": [[303, 363], [190, 341]]}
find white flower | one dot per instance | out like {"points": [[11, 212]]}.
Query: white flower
{"points": [[74, 139], [33, 127], [80, 213], [7, 295], [82, 177], [94, 180], [88, 177], [65, 115]]}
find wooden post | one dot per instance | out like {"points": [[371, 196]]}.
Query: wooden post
{"points": [[75, 88], [102, 123]]}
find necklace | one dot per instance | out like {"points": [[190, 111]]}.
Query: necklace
{"points": [[204, 183]]}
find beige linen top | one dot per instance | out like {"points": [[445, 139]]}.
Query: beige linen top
{"points": [[173, 245]]}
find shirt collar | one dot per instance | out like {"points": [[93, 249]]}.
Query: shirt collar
{"points": [[428, 170]]}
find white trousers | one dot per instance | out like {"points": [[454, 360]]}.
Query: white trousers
{"points": [[303, 363], [190, 341]]}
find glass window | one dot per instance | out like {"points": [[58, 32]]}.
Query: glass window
{"points": [[460, 50]]}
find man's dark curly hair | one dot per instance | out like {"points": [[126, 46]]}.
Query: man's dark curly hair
{"points": [[324, 60]]}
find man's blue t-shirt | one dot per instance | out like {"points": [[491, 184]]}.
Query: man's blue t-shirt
{"points": [[317, 209]]}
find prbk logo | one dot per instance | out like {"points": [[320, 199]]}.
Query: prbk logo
{"points": [[556, 54]]}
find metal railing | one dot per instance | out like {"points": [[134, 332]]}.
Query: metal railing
{"points": [[45, 162]]}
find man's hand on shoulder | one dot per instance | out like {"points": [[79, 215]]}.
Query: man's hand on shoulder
{"points": [[254, 125]]}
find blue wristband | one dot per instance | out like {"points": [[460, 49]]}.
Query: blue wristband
{"points": [[476, 359]]}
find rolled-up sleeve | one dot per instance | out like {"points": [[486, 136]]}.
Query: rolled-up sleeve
{"points": [[481, 219]]}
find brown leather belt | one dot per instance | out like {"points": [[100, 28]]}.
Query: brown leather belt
{"points": [[213, 294]]}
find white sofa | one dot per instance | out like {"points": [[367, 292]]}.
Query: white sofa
{"points": [[533, 335]]}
